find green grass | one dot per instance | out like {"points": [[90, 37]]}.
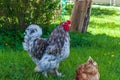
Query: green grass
{"points": [[102, 43]]}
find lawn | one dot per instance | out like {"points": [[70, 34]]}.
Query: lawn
{"points": [[101, 42]]}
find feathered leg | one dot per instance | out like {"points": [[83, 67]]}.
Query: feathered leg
{"points": [[37, 69], [58, 73], [55, 71], [45, 74]]}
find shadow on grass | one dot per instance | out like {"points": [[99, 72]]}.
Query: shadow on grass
{"points": [[90, 40]]}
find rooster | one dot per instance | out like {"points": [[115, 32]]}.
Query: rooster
{"points": [[47, 53]]}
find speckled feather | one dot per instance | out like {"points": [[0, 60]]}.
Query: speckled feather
{"points": [[52, 45], [39, 46]]}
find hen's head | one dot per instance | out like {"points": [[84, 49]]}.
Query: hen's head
{"points": [[33, 31], [66, 25]]}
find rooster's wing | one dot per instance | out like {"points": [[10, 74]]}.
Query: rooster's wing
{"points": [[39, 47]]}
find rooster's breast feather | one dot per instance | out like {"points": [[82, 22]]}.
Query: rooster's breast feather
{"points": [[56, 41]]}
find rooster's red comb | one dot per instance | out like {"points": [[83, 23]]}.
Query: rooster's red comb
{"points": [[66, 25], [68, 22]]}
